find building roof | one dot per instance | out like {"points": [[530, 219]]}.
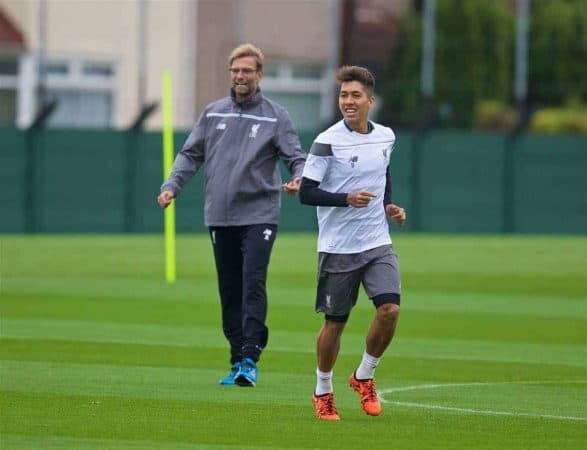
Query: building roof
{"points": [[10, 36]]}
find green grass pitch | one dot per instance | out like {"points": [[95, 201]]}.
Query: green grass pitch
{"points": [[98, 352]]}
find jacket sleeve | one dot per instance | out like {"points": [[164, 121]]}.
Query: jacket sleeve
{"points": [[189, 159], [288, 145]]}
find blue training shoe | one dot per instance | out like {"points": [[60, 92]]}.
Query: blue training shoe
{"points": [[247, 375], [229, 379]]}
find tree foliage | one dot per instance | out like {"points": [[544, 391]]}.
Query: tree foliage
{"points": [[558, 53], [474, 59]]}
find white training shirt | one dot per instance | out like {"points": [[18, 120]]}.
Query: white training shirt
{"points": [[344, 161]]}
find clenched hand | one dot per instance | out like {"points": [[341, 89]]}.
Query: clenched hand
{"points": [[396, 213], [165, 199]]}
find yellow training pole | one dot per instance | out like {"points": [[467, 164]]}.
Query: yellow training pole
{"points": [[167, 163]]}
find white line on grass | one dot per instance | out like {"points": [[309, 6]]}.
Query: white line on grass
{"points": [[475, 411]]}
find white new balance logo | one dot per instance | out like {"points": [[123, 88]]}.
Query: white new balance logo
{"points": [[267, 233], [221, 126]]}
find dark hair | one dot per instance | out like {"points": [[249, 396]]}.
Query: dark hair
{"points": [[356, 73]]}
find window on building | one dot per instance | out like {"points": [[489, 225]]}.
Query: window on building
{"points": [[84, 91], [56, 68], [303, 89], [304, 109], [82, 108], [8, 89]]}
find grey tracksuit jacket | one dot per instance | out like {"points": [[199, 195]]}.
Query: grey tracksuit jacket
{"points": [[239, 145]]}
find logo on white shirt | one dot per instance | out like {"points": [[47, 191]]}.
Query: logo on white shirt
{"points": [[353, 159], [221, 126], [254, 130], [267, 233]]}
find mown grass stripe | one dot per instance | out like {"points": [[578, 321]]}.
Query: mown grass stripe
{"points": [[200, 384], [303, 342], [31, 442], [188, 294]]}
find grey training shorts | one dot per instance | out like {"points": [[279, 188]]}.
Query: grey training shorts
{"points": [[339, 277]]}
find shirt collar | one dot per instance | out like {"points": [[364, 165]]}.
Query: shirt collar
{"points": [[370, 127]]}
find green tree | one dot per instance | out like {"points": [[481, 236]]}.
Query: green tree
{"points": [[558, 53], [400, 89], [474, 57]]}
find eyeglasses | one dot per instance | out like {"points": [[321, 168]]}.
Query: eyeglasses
{"points": [[244, 70]]}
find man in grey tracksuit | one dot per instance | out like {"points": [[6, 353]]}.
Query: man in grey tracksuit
{"points": [[239, 140]]}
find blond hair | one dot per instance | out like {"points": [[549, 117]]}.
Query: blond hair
{"points": [[247, 50]]}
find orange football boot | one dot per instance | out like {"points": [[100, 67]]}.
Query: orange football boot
{"points": [[368, 394], [325, 407]]}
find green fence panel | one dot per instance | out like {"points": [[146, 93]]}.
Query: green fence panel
{"points": [[81, 180], [550, 187], [401, 173], [147, 216], [12, 181], [107, 181], [461, 182]]}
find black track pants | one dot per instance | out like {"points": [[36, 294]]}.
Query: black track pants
{"points": [[242, 256]]}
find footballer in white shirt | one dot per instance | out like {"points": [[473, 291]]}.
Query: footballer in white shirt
{"points": [[347, 177]]}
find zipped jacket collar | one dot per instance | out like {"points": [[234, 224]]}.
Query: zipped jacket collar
{"points": [[255, 100]]}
